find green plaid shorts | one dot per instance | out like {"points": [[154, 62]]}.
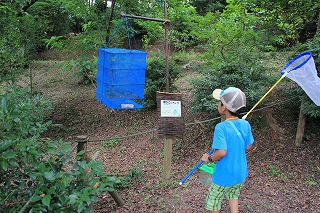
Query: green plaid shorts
{"points": [[217, 193]]}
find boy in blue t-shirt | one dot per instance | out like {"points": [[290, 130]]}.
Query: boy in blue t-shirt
{"points": [[231, 139]]}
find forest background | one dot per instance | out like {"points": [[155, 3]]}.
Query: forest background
{"points": [[223, 43]]}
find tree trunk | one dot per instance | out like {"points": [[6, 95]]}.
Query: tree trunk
{"points": [[110, 21], [318, 25], [300, 128]]}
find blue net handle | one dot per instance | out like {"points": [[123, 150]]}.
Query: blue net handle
{"points": [[128, 29]]}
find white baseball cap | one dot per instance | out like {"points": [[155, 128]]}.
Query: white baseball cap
{"points": [[232, 97]]}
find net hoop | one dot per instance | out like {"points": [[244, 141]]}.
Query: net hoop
{"points": [[308, 54]]}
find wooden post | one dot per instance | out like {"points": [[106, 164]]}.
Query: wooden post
{"points": [[116, 198], [168, 140], [301, 126], [167, 158], [82, 145], [166, 27]]}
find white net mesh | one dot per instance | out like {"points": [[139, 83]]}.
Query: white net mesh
{"points": [[303, 71]]}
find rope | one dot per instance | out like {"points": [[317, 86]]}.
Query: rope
{"points": [[128, 29], [128, 32], [116, 30], [120, 137], [186, 124]]}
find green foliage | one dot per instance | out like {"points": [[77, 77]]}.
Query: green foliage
{"points": [[156, 78], [12, 52], [184, 24], [82, 12], [38, 174], [133, 174], [233, 33], [21, 113], [251, 78], [49, 14], [232, 58], [86, 68], [287, 21], [53, 42], [83, 49], [44, 173], [205, 6]]}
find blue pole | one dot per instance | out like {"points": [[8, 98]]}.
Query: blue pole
{"points": [[194, 169]]}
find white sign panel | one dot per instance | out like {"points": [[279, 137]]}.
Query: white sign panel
{"points": [[170, 108]]}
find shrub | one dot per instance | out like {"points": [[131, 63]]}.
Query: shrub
{"points": [[156, 78], [252, 78]]}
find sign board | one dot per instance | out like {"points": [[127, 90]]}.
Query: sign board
{"points": [[170, 108]]}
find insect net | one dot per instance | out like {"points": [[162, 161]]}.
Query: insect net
{"points": [[302, 70]]}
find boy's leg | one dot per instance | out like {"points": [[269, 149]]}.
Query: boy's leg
{"points": [[214, 198], [233, 203], [232, 195]]}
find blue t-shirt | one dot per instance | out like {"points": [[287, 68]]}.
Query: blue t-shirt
{"points": [[232, 168]]}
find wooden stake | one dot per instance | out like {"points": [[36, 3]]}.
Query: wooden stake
{"points": [[116, 198], [167, 158], [82, 145]]}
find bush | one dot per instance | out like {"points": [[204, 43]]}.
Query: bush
{"points": [[156, 78], [252, 78]]}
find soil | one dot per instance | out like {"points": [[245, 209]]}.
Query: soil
{"points": [[282, 177]]}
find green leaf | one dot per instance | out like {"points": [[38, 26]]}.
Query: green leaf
{"points": [[3, 105], [84, 165], [46, 200], [49, 175], [6, 144], [81, 207], [4, 165], [17, 120], [9, 154], [81, 152], [312, 183], [35, 199], [73, 198]]}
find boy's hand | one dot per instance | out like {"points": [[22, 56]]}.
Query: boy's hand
{"points": [[205, 158]]}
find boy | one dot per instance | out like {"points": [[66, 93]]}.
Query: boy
{"points": [[231, 139]]}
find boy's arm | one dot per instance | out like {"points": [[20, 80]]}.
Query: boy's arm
{"points": [[249, 147], [217, 155]]}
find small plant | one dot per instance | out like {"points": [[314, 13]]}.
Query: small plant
{"points": [[273, 170], [53, 42], [133, 174], [311, 182], [110, 144]]}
